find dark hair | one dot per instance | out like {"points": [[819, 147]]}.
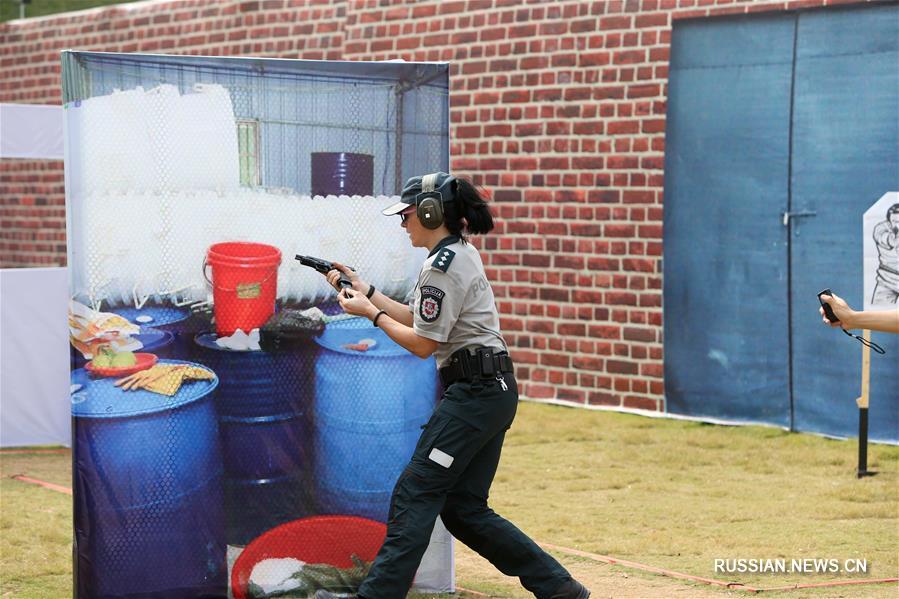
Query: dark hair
{"points": [[894, 209], [469, 210]]}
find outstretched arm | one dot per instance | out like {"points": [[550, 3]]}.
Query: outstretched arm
{"points": [[886, 321]]}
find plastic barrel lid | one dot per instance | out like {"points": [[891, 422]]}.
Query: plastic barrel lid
{"points": [[153, 338], [153, 316], [350, 331], [99, 398]]}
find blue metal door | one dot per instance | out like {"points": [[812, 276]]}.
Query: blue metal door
{"points": [[845, 157], [725, 265], [795, 113]]}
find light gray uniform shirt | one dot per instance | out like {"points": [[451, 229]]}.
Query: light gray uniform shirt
{"points": [[453, 302]]}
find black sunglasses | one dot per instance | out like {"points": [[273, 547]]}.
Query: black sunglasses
{"points": [[404, 216]]}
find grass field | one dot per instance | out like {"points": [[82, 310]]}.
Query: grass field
{"points": [[667, 493]]}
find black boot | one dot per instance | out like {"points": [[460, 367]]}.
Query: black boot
{"points": [[570, 590]]}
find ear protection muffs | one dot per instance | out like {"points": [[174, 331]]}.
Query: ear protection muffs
{"points": [[429, 204]]}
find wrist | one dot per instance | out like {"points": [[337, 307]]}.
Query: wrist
{"points": [[381, 314], [372, 311]]}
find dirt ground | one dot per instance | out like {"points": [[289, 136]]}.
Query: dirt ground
{"points": [[474, 573], [476, 578]]}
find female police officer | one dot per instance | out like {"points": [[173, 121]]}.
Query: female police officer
{"points": [[454, 317]]}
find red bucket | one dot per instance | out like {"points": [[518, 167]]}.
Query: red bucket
{"points": [[244, 284]]}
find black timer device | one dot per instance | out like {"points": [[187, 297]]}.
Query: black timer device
{"points": [[828, 311]]}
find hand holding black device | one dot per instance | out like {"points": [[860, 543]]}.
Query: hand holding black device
{"points": [[828, 312]]}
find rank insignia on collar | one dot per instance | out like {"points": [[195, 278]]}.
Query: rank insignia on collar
{"points": [[443, 259]]}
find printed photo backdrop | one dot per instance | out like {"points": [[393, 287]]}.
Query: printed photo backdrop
{"points": [[234, 432]]}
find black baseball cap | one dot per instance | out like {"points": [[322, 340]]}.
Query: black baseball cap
{"points": [[436, 184]]}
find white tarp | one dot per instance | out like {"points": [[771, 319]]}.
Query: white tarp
{"points": [[34, 357], [31, 131]]}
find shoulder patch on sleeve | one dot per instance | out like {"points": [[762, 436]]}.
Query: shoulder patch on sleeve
{"points": [[443, 259], [431, 302]]}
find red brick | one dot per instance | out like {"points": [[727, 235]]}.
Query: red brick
{"points": [[468, 131], [614, 298], [593, 59], [639, 334], [572, 395], [516, 96], [587, 229], [641, 403], [617, 22], [623, 127], [652, 370], [653, 125], [638, 264], [621, 367], [553, 359], [554, 294], [538, 391], [643, 91], [572, 329], [588, 363], [588, 128], [522, 31], [652, 20], [583, 25], [629, 57], [563, 261], [639, 196], [601, 398]]}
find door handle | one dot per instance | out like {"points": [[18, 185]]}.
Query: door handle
{"points": [[789, 215]]}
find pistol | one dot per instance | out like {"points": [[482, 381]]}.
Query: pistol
{"points": [[324, 267]]}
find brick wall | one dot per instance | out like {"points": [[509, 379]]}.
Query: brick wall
{"points": [[557, 107], [32, 213]]}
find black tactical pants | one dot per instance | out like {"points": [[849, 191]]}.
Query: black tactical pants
{"points": [[450, 474]]}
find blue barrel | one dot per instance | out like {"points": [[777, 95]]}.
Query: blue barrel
{"points": [[370, 407], [172, 319], [263, 407], [149, 506], [342, 173], [156, 341]]}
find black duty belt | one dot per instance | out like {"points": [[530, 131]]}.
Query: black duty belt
{"points": [[470, 363]]}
